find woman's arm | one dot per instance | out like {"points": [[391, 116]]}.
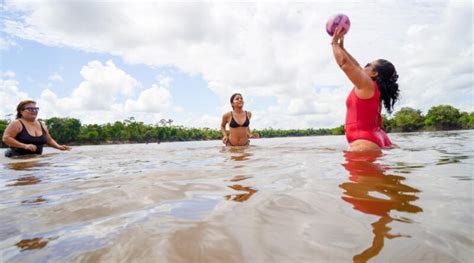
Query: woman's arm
{"points": [[11, 132], [223, 124], [348, 64], [51, 142], [349, 56]]}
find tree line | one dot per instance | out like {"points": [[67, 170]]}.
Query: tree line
{"points": [[438, 118], [72, 131]]}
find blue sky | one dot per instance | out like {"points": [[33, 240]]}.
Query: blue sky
{"points": [[34, 75], [103, 61]]}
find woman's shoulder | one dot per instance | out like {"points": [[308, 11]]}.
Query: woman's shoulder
{"points": [[16, 125], [42, 124]]}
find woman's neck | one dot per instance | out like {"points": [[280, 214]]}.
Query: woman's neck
{"points": [[27, 120], [238, 110]]}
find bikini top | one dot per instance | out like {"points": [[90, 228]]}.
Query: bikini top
{"points": [[24, 137], [234, 124]]}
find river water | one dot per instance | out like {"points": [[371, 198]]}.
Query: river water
{"points": [[279, 200]]}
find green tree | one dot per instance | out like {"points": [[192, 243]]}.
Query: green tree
{"points": [[466, 120], [407, 120], [64, 130], [112, 132], [3, 126], [91, 133], [443, 117], [69, 130], [388, 123], [338, 130]]}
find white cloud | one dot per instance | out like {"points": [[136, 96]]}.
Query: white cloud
{"points": [[438, 61], [164, 80], [95, 98], [154, 99], [207, 121], [102, 85], [7, 74], [260, 49], [10, 94], [56, 77], [6, 43]]}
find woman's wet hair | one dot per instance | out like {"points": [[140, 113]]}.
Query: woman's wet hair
{"points": [[387, 81], [21, 106], [232, 98]]}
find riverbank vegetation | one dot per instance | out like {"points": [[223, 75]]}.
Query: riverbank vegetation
{"points": [[72, 131]]}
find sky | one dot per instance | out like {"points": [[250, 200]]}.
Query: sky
{"points": [[106, 61]]}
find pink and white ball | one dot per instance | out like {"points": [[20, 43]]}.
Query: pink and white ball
{"points": [[338, 20]]}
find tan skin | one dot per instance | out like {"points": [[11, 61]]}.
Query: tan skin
{"points": [[237, 136], [360, 77], [33, 127]]}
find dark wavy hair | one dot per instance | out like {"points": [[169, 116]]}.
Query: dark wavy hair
{"points": [[232, 98], [20, 106], [387, 82]]}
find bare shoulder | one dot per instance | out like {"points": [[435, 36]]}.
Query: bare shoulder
{"points": [[362, 81], [249, 113], [226, 115], [15, 125], [13, 128], [43, 125]]}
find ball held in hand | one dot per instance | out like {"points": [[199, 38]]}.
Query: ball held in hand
{"points": [[338, 20]]}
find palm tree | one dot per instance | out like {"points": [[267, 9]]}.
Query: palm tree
{"points": [[163, 122]]}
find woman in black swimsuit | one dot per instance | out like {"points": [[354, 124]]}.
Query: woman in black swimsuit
{"points": [[239, 121], [26, 135]]}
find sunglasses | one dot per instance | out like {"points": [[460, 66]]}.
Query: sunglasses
{"points": [[31, 109], [368, 65]]}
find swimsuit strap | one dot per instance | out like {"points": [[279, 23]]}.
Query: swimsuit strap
{"points": [[22, 125], [42, 128]]}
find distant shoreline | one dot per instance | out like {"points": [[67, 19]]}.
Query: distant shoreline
{"points": [[130, 131], [3, 146]]}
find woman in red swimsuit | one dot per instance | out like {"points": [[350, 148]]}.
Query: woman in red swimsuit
{"points": [[375, 84]]}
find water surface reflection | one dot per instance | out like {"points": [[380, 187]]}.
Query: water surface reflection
{"points": [[30, 163], [25, 180], [249, 191], [371, 190], [34, 243], [201, 202]]}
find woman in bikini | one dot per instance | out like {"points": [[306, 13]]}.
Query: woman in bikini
{"points": [[375, 84], [239, 121], [27, 135]]}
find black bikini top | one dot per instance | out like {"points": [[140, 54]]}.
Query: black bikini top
{"points": [[234, 124], [24, 137]]}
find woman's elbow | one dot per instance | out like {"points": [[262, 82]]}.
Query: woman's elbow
{"points": [[344, 65], [5, 139]]}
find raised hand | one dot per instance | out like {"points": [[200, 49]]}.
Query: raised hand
{"points": [[338, 37]]}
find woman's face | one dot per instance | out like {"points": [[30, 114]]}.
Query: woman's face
{"points": [[370, 69], [29, 111], [238, 101]]}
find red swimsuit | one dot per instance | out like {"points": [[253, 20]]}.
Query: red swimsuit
{"points": [[363, 119]]}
